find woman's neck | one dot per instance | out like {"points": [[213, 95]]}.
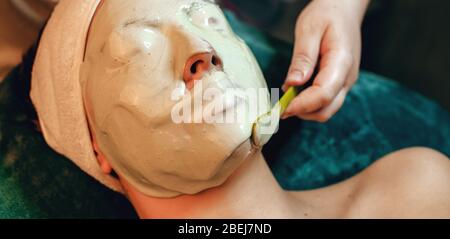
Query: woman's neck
{"points": [[251, 192]]}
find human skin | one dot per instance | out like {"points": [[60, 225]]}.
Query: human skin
{"points": [[327, 38], [407, 183], [410, 183]]}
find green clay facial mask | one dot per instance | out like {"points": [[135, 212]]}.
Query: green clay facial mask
{"points": [[132, 80]]}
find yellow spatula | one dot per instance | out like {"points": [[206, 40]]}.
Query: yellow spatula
{"points": [[261, 131]]}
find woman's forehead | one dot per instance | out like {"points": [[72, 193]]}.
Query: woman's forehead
{"points": [[149, 12], [155, 5]]}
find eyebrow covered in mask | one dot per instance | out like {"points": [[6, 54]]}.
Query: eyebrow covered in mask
{"points": [[210, 1], [153, 23]]}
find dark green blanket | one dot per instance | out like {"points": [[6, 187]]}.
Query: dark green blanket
{"points": [[378, 117]]}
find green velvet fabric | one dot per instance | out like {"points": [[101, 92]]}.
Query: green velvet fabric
{"points": [[378, 117]]}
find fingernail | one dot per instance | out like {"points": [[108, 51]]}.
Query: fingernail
{"points": [[285, 116], [289, 109], [287, 113], [295, 76]]}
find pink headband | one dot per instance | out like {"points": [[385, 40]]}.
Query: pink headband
{"points": [[56, 91]]}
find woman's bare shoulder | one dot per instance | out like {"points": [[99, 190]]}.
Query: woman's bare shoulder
{"points": [[411, 183]]}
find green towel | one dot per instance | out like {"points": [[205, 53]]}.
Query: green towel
{"points": [[378, 117]]}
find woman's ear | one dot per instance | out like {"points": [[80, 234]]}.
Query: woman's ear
{"points": [[101, 159]]}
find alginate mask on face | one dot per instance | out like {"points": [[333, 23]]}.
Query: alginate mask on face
{"points": [[135, 57]]}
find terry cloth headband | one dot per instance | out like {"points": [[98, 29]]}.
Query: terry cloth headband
{"points": [[56, 91]]}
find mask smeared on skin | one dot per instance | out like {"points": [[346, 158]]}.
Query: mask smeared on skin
{"points": [[135, 58]]}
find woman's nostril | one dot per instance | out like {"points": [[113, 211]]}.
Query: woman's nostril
{"points": [[199, 64], [215, 61], [194, 66]]}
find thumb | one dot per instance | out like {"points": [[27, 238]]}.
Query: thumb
{"points": [[305, 56]]}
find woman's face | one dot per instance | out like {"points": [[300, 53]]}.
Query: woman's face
{"points": [[160, 81]]}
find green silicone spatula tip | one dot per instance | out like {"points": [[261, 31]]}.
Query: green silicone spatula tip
{"points": [[260, 137]]}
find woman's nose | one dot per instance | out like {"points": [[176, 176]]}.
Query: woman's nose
{"points": [[199, 64]]}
